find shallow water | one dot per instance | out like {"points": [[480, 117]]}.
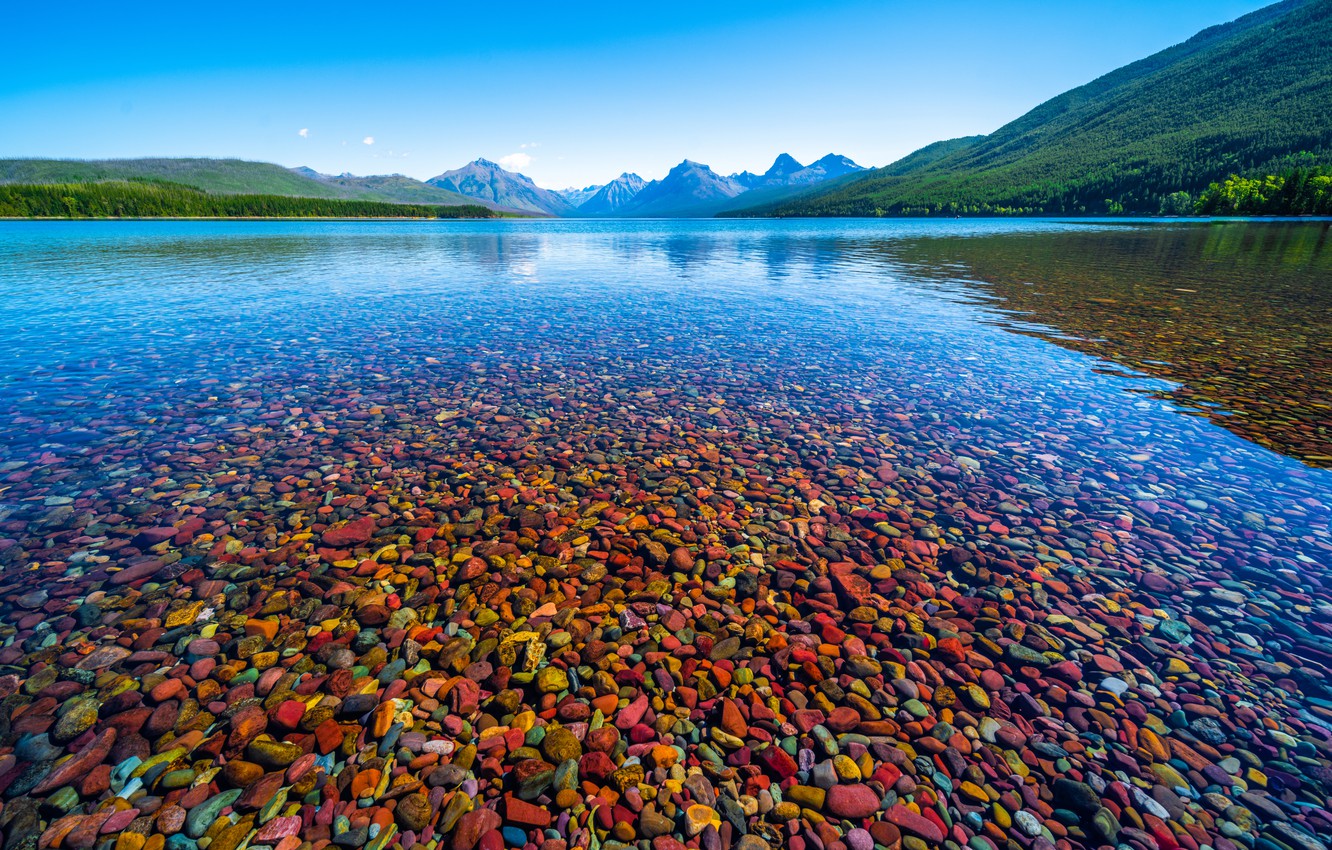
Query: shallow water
{"points": [[196, 401], [205, 326], [1234, 314]]}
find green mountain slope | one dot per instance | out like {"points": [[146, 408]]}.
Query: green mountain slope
{"points": [[220, 176], [229, 177], [395, 188], [156, 198], [1251, 96]]}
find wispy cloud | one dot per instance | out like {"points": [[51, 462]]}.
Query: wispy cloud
{"points": [[304, 132], [368, 140], [515, 161], [525, 145]]}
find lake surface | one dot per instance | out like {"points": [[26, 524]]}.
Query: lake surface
{"points": [[1102, 440]]}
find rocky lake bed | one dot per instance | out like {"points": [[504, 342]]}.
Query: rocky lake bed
{"points": [[819, 535]]}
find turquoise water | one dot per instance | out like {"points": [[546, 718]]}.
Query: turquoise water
{"points": [[223, 413], [105, 321], [122, 340]]}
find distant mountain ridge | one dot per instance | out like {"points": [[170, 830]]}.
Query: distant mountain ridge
{"points": [[577, 197], [488, 181], [1248, 97], [231, 177], [612, 197], [219, 176], [690, 189], [687, 186], [786, 170]]}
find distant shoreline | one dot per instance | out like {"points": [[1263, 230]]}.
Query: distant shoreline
{"points": [[258, 218], [1053, 217]]}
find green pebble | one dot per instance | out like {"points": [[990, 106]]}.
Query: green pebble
{"points": [[826, 740], [273, 807], [206, 813], [177, 779], [63, 800]]}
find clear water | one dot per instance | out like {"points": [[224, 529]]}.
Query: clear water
{"points": [[247, 386], [105, 322], [128, 349]]}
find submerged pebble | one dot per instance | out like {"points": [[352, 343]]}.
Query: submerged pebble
{"points": [[647, 584]]}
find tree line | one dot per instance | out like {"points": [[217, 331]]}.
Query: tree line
{"points": [[1294, 191], [1301, 191], [162, 199]]}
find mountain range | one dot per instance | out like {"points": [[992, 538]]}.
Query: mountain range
{"points": [[690, 189], [1250, 97], [230, 177], [611, 198], [786, 171], [486, 181]]}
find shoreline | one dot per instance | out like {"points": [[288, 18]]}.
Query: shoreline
{"points": [[1124, 218]]}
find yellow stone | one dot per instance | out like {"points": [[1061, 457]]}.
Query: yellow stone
{"points": [[524, 720], [130, 841], [698, 817], [847, 769], [166, 757], [1169, 776], [184, 615], [1176, 667], [974, 792], [866, 764], [975, 696], [1016, 763], [726, 739]]}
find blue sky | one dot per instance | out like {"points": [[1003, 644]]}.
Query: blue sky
{"points": [[569, 93]]}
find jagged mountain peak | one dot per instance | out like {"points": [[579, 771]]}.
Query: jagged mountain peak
{"points": [[784, 164], [686, 186], [609, 199], [489, 181]]}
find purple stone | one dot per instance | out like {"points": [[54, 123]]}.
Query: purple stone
{"points": [[859, 839]]}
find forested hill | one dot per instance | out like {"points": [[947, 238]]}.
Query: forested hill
{"points": [[158, 199], [218, 176], [229, 177], [1251, 97]]}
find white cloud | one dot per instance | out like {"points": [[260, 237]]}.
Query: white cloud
{"points": [[525, 145], [304, 132], [515, 161], [368, 140]]}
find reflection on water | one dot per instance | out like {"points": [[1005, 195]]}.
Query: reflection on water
{"points": [[1237, 314]]}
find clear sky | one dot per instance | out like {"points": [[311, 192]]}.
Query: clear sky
{"points": [[569, 93]]}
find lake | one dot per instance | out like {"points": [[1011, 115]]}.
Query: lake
{"points": [[977, 494]]}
